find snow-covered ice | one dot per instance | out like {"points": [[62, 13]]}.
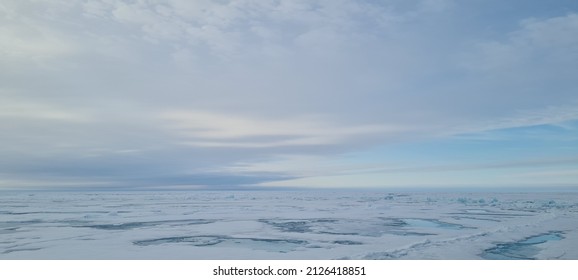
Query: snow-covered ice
{"points": [[288, 225]]}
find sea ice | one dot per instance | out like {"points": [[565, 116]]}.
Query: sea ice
{"points": [[288, 225]]}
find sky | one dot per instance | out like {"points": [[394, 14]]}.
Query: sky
{"points": [[275, 94]]}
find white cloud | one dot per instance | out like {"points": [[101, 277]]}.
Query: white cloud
{"points": [[254, 86], [489, 174], [233, 28], [24, 32], [550, 115], [435, 5], [29, 110], [207, 129], [536, 42], [32, 42]]}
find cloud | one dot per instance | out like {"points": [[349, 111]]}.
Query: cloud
{"points": [[204, 129], [549, 41], [551, 115], [11, 108], [494, 174], [47, 184], [236, 28], [113, 91]]}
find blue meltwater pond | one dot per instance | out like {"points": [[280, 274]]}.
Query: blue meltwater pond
{"points": [[524, 249], [427, 223]]}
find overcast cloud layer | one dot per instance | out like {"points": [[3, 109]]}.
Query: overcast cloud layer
{"points": [[180, 94]]}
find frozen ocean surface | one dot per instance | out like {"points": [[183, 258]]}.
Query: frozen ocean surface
{"points": [[288, 225]]}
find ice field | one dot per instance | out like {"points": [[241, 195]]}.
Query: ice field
{"points": [[288, 225]]}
